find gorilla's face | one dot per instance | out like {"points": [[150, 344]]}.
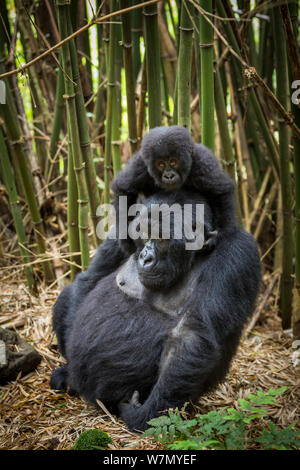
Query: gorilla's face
{"points": [[161, 263], [167, 153]]}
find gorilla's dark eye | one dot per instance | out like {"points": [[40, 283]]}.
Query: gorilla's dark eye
{"points": [[162, 244], [174, 163], [160, 164]]}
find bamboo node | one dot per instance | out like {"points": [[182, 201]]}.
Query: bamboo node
{"points": [[228, 162], [82, 227], [82, 201], [37, 222], [68, 97], [152, 13], [188, 30], [111, 84], [206, 44], [17, 141], [132, 141], [80, 167], [85, 144], [127, 45]]}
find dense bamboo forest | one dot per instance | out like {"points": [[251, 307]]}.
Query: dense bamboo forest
{"points": [[81, 83]]}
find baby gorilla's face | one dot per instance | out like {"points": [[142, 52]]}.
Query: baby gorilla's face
{"points": [[161, 263], [168, 171]]}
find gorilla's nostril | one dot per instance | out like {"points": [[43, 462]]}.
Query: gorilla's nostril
{"points": [[148, 259]]}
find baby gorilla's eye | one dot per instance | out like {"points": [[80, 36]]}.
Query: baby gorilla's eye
{"points": [[160, 165], [173, 162]]}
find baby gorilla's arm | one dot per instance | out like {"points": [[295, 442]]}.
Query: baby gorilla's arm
{"points": [[211, 180], [130, 182]]}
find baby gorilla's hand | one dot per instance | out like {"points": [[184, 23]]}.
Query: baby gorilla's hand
{"points": [[211, 241]]}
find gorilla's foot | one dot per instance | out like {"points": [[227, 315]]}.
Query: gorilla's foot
{"points": [[59, 379]]}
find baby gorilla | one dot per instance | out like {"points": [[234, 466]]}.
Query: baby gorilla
{"points": [[169, 159], [166, 323]]}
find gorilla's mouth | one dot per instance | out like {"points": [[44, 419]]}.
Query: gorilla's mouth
{"points": [[158, 280], [171, 185]]}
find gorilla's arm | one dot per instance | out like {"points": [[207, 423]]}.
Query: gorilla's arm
{"points": [[199, 349], [134, 178], [129, 182], [107, 259], [211, 180]]}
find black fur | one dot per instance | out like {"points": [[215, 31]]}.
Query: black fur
{"points": [[115, 344], [199, 170]]}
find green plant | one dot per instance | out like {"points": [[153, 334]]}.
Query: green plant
{"points": [[227, 428], [92, 439]]}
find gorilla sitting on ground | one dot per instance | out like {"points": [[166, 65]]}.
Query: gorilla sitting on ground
{"points": [[166, 323]]}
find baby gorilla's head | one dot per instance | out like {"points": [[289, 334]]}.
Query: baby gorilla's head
{"points": [[167, 153]]}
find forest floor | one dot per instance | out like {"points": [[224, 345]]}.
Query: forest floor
{"points": [[34, 417]]}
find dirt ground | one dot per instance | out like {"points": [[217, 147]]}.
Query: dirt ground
{"points": [[34, 417]]}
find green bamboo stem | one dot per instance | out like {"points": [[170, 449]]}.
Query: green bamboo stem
{"points": [[111, 95], [78, 164], [285, 177], [136, 33], [207, 77], [175, 101], [142, 104], [153, 65], [129, 77], [225, 137], [84, 136], [184, 67], [40, 108], [8, 177], [8, 114], [57, 123], [98, 110], [72, 214]]}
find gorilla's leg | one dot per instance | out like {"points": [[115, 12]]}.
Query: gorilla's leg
{"points": [[61, 309], [186, 365], [59, 379]]}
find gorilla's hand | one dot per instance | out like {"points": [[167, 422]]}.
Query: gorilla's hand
{"points": [[130, 413], [211, 241]]}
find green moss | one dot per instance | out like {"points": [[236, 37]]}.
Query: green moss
{"points": [[93, 439]]}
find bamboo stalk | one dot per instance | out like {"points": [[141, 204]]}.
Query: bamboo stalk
{"points": [[89, 166], [207, 77], [111, 86], [72, 214], [8, 114], [225, 137], [142, 103], [136, 31], [129, 76], [78, 164], [153, 65], [285, 177], [9, 182], [184, 67], [57, 123]]}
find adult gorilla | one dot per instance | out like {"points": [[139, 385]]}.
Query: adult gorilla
{"points": [[171, 344]]}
